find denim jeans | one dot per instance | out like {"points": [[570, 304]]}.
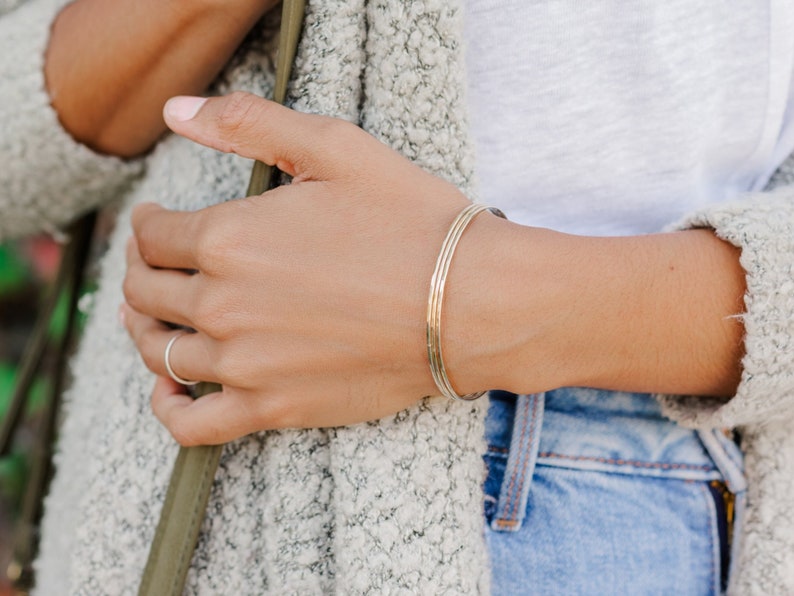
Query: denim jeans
{"points": [[595, 492]]}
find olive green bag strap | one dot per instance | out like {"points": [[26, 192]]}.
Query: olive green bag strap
{"points": [[194, 470]]}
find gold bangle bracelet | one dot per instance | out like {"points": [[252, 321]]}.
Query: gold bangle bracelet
{"points": [[436, 300]]}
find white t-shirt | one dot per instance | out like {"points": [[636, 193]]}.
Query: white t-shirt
{"points": [[612, 118]]}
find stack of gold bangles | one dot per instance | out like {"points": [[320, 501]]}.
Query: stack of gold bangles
{"points": [[436, 300]]}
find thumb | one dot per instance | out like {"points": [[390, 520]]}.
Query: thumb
{"points": [[304, 145]]}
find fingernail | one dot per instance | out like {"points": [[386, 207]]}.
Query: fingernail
{"points": [[183, 108]]}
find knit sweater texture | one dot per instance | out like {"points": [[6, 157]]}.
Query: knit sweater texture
{"points": [[387, 507]]}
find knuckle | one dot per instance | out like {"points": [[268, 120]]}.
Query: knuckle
{"points": [[151, 357], [237, 115], [223, 324], [146, 239], [128, 287], [183, 433], [339, 135], [214, 248], [280, 412], [336, 129], [205, 303], [211, 314], [340, 138], [275, 410], [231, 368]]}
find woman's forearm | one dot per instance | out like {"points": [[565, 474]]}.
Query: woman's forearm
{"points": [[110, 67], [656, 313], [310, 300]]}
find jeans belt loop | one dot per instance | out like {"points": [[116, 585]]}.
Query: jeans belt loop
{"points": [[524, 445], [726, 456]]}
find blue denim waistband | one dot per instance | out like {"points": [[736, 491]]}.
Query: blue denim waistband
{"points": [[607, 431]]}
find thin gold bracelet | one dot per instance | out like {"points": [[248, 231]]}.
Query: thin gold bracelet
{"points": [[436, 300]]}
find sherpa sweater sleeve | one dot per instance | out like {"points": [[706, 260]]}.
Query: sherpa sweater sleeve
{"points": [[762, 226], [46, 178]]}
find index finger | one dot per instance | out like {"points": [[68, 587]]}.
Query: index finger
{"points": [[165, 238]]}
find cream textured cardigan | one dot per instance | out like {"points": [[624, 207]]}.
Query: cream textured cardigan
{"points": [[387, 507]]}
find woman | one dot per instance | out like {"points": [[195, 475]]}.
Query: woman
{"points": [[314, 295]]}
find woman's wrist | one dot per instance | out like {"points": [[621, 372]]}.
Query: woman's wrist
{"points": [[495, 317], [530, 309]]}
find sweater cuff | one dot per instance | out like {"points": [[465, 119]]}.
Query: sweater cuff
{"points": [[762, 226], [47, 178]]}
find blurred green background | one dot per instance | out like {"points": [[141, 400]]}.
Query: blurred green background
{"points": [[25, 269]]}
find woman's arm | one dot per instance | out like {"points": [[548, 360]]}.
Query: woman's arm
{"points": [[46, 178], [110, 67], [310, 300]]}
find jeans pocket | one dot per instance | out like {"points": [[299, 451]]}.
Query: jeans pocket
{"points": [[589, 532]]}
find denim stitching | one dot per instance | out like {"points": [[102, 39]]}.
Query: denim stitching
{"points": [[604, 460], [527, 457], [510, 491], [513, 502], [625, 462], [516, 494]]}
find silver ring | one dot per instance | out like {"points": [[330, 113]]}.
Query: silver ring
{"points": [[167, 358]]}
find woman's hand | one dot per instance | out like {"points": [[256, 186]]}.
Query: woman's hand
{"points": [[308, 301]]}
